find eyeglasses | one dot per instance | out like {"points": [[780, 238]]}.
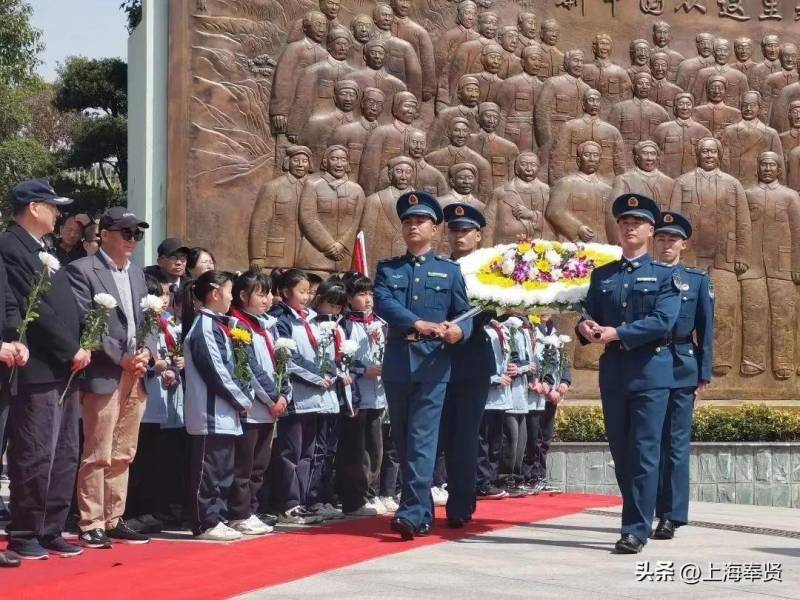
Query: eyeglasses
{"points": [[130, 234]]}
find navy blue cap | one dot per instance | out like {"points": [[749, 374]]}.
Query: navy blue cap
{"points": [[635, 205], [419, 203], [675, 223], [463, 216], [119, 217], [37, 190]]}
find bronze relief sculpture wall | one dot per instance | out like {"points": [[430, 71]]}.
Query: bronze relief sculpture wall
{"points": [[286, 117]]}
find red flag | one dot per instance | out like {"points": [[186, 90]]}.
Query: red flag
{"points": [[359, 263]]}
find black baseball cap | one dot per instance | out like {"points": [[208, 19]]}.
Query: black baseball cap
{"points": [[121, 217], [37, 190], [171, 247]]}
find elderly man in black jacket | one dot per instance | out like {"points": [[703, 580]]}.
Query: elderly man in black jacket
{"points": [[43, 453]]}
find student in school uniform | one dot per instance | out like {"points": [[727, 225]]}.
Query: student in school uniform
{"points": [[252, 296], [214, 404], [497, 403], [293, 454], [330, 302], [358, 464]]}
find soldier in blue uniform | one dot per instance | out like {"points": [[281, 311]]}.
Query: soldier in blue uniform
{"points": [[692, 346], [631, 306], [418, 295], [473, 366]]}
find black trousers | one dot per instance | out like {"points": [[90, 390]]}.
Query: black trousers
{"points": [[4, 410], [294, 454], [174, 447], [144, 487], [541, 430], [490, 447], [210, 477], [515, 436], [43, 460], [322, 469], [390, 465], [253, 450], [358, 460]]}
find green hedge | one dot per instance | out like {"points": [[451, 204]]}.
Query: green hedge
{"points": [[746, 423]]}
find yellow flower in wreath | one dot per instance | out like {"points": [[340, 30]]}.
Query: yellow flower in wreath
{"points": [[241, 336], [543, 266]]}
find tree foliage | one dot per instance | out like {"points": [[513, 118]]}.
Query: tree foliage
{"points": [[89, 83], [133, 9], [23, 158], [20, 42]]}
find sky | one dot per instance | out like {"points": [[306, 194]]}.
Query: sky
{"points": [[91, 28]]}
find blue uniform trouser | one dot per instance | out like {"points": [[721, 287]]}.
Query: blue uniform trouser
{"points": [[673, 485], [461, 423], [415, 410], [634, 423]]}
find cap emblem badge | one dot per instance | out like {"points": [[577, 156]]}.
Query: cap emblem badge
{"points": [[668, 218], [633, 202], [459, 211], [413, 200]]}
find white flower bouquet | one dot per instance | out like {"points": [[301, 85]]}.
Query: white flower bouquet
{"points": [[377, 340], [152, 307], [326, 334], [283, 354], [348, 351], [536, 276]]}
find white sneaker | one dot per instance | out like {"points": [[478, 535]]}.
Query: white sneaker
{"points": [[439, 496], [250, 526], [390, 503], [299, 515], [219, 533], [365, 511], [333, 512], [377, 505]]}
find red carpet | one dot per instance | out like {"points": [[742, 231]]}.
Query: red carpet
{"points": [[167, 569]]}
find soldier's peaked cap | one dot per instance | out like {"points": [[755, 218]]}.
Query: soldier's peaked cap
{"points": [[635, 205], [463, 216], [419, 203], [675, 223]]}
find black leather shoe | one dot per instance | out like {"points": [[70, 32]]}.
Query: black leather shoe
{"points": [[628, 544], [456, 522], [424, 529], [665, 530], [8, 561], [403, 527]]}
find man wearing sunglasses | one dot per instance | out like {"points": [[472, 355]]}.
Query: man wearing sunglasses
{"points": [[112, 394]]}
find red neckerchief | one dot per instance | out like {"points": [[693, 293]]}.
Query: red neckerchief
{"points": [[253, 324], [337, 344], [309, 332], [499, 329], [168, 337], [358, 318]]}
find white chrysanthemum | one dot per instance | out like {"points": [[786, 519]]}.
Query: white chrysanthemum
{"points": [[508, 266], [151, 303], [327, 326], [551, 340], [49, 261], [375, 327], [565, 339], [569, 247], [349, 347], [514, 322], [553, 257], [529, 256], [105, 300], [556, 274], [285, 344]]}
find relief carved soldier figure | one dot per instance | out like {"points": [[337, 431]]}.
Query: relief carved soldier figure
{"points": [[770, 50], [274, 226], [380, 222], [588, 126], [291, 65], [552, 59], [743, 49], [638, 117], [329, 9], [639, 52], [320, 126], [716, 205], [678, 139], [664, 91], [401, 58], [517, 208], [715, 115], [779, 113], [518, 98], [735, 81], [447, 45], [645, 178], [331, 207], [500, 152], [462, 178], [387, 141], [793, 169], [469, 94], [526, 26], [426, 177], [768, 286], [353, 136], [509, 42], [458, 152], [775, 82], [662, 36], [743, 142], [361, 28], [415, 34], [690, 67], [790, 138], [467, 57], [375, 75], [560, 100], [605, 76], [315, 87], [489, 80]]}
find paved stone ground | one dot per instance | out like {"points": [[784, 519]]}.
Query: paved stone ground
{"points": [[570, 557]]}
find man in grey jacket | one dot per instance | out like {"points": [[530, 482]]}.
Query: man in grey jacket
{"points": [[113, 396]]}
